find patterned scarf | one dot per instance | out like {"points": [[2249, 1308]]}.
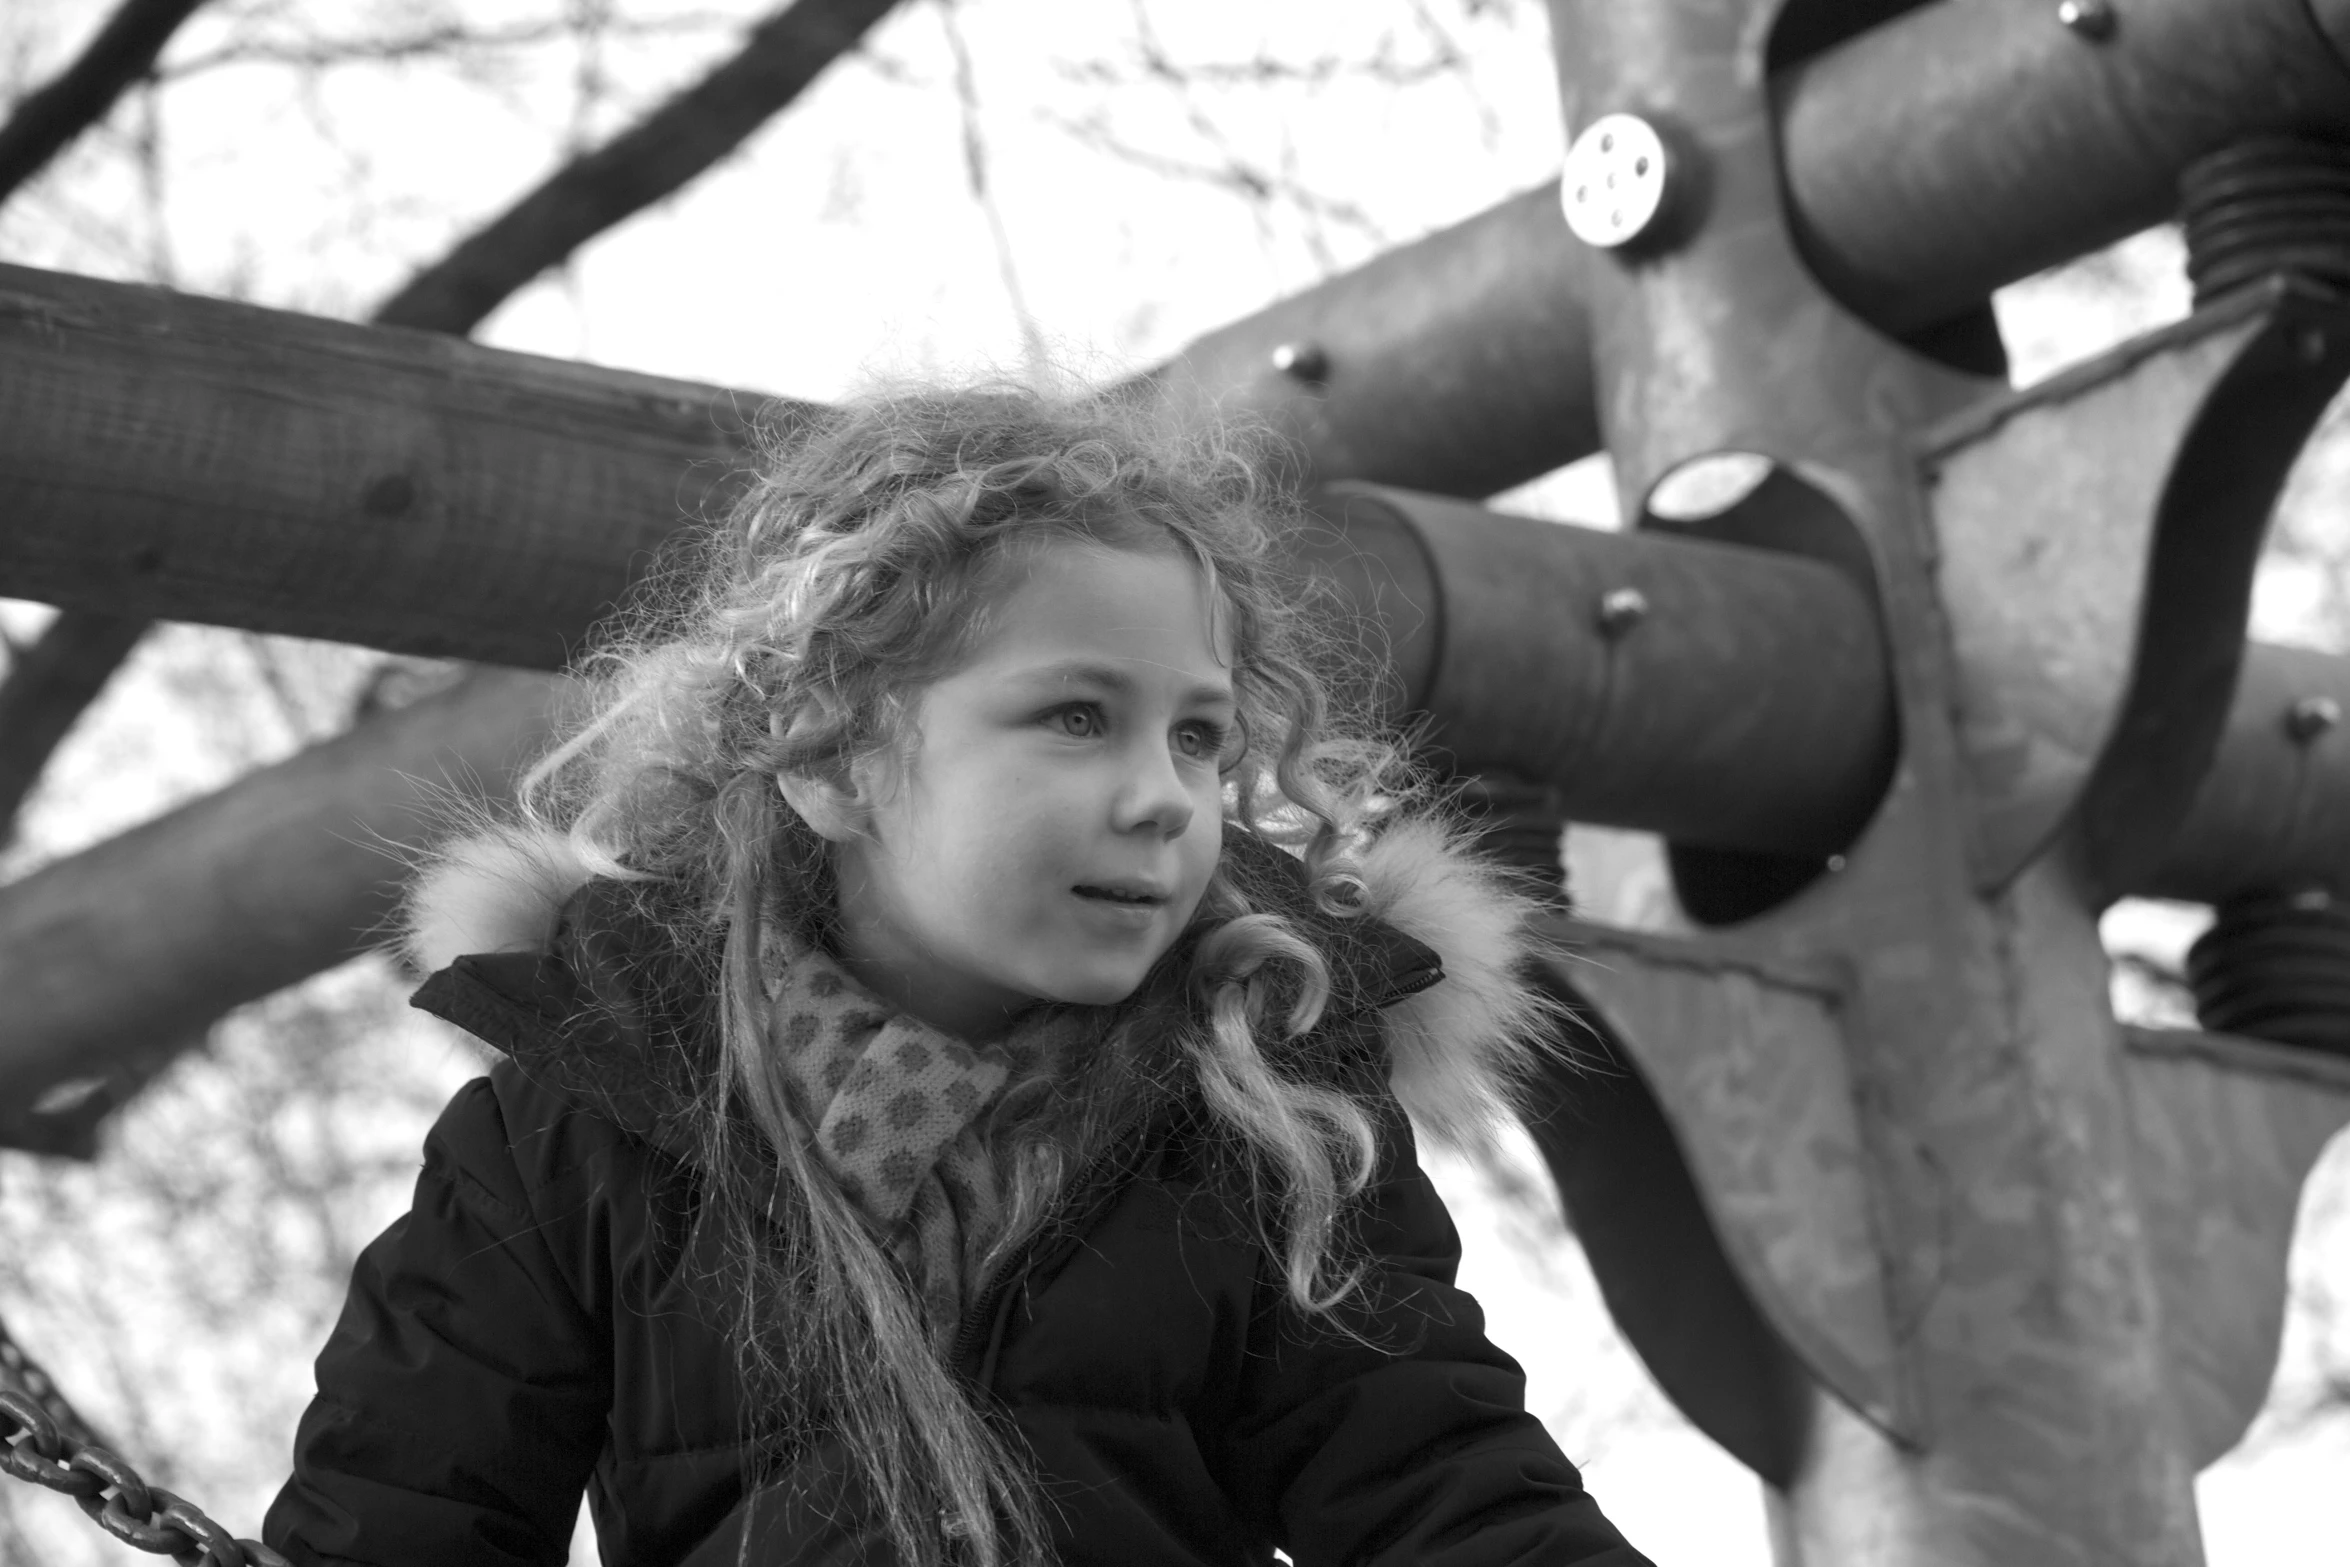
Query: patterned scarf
{"points": [[899, 1110]]}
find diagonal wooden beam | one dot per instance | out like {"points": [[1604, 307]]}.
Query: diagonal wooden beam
{"points": [[257, 886]]}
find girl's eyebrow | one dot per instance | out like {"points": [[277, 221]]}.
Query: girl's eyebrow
{"points": [[1111, 678]]}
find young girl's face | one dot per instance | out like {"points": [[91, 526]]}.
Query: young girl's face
{"points": [[1061, 812]]}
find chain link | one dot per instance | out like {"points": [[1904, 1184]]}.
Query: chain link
{"points": [[20, 1370], [107, 1488]]}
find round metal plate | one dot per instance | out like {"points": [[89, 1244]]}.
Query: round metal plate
{"points": [[1614, 183]]}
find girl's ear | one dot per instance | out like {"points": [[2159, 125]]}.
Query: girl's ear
{"points": [[833, 806]]}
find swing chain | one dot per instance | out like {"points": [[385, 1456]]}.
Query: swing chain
{"points": [[107, 1488], [20, 1370]]}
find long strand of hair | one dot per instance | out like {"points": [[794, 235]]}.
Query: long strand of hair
{"points": [[944, 1483]]}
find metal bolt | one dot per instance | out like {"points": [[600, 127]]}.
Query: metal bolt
{"points": [[1620, 609], [1615, 181], [2310, 717], [2092, 19], [1306, 362]]}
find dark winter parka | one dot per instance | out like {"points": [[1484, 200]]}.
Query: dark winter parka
{"points": [[542, 1321]]}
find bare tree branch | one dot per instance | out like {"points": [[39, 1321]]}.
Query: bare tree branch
{"points": [[47, 687], [641, 166], [83, 94]]}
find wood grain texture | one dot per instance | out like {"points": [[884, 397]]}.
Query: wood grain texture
{"points": [[403, 490]]}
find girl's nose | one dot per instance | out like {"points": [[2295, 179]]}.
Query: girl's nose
{"points": [[1152, 797]]}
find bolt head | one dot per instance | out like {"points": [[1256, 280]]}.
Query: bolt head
{"points": [[1620, 609], [1615, 182], [1307, 362], [2092, 19], [2310, 717]]}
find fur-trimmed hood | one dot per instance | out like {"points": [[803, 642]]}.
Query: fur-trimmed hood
{"points": [[1459, 1050]]}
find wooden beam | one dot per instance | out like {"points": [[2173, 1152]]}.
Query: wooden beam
{"points": [[149, 937], [169, 457]]}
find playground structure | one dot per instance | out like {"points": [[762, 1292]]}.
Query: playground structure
{"points": [[1892, 1206]]}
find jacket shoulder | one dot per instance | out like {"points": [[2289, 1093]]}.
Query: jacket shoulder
{"points": [[516, 1150]]}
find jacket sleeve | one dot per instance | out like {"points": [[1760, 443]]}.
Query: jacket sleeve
{"points": [[1404, 1437], [463, 1395]]}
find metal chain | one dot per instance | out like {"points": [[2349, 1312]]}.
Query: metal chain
{"points": [[20, 1370], [111, 1492]]}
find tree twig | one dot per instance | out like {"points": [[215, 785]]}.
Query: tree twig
{"points": [[975, 175], [47, 687], [427, 41]]}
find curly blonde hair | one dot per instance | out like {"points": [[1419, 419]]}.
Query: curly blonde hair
{"points": [[862, 561]]}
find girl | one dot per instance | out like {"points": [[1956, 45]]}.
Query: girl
{"points": [[959, 1001]]}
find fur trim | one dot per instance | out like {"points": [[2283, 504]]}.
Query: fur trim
{"points": [[1461, 1052], [498, 890]]}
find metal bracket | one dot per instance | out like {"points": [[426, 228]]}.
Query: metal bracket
{"points": [[2095, 538]]}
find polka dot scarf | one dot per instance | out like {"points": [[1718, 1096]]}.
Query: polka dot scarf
{"points": [[898, 1109]]}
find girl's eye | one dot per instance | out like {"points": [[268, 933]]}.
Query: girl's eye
{"points": [[1201, 740], [1082, 723]]}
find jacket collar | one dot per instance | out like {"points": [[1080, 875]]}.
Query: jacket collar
{"points": [[610, 1016], [529, 951]]}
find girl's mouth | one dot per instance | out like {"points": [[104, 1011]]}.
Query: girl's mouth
{"points": [[1125, 896]]}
